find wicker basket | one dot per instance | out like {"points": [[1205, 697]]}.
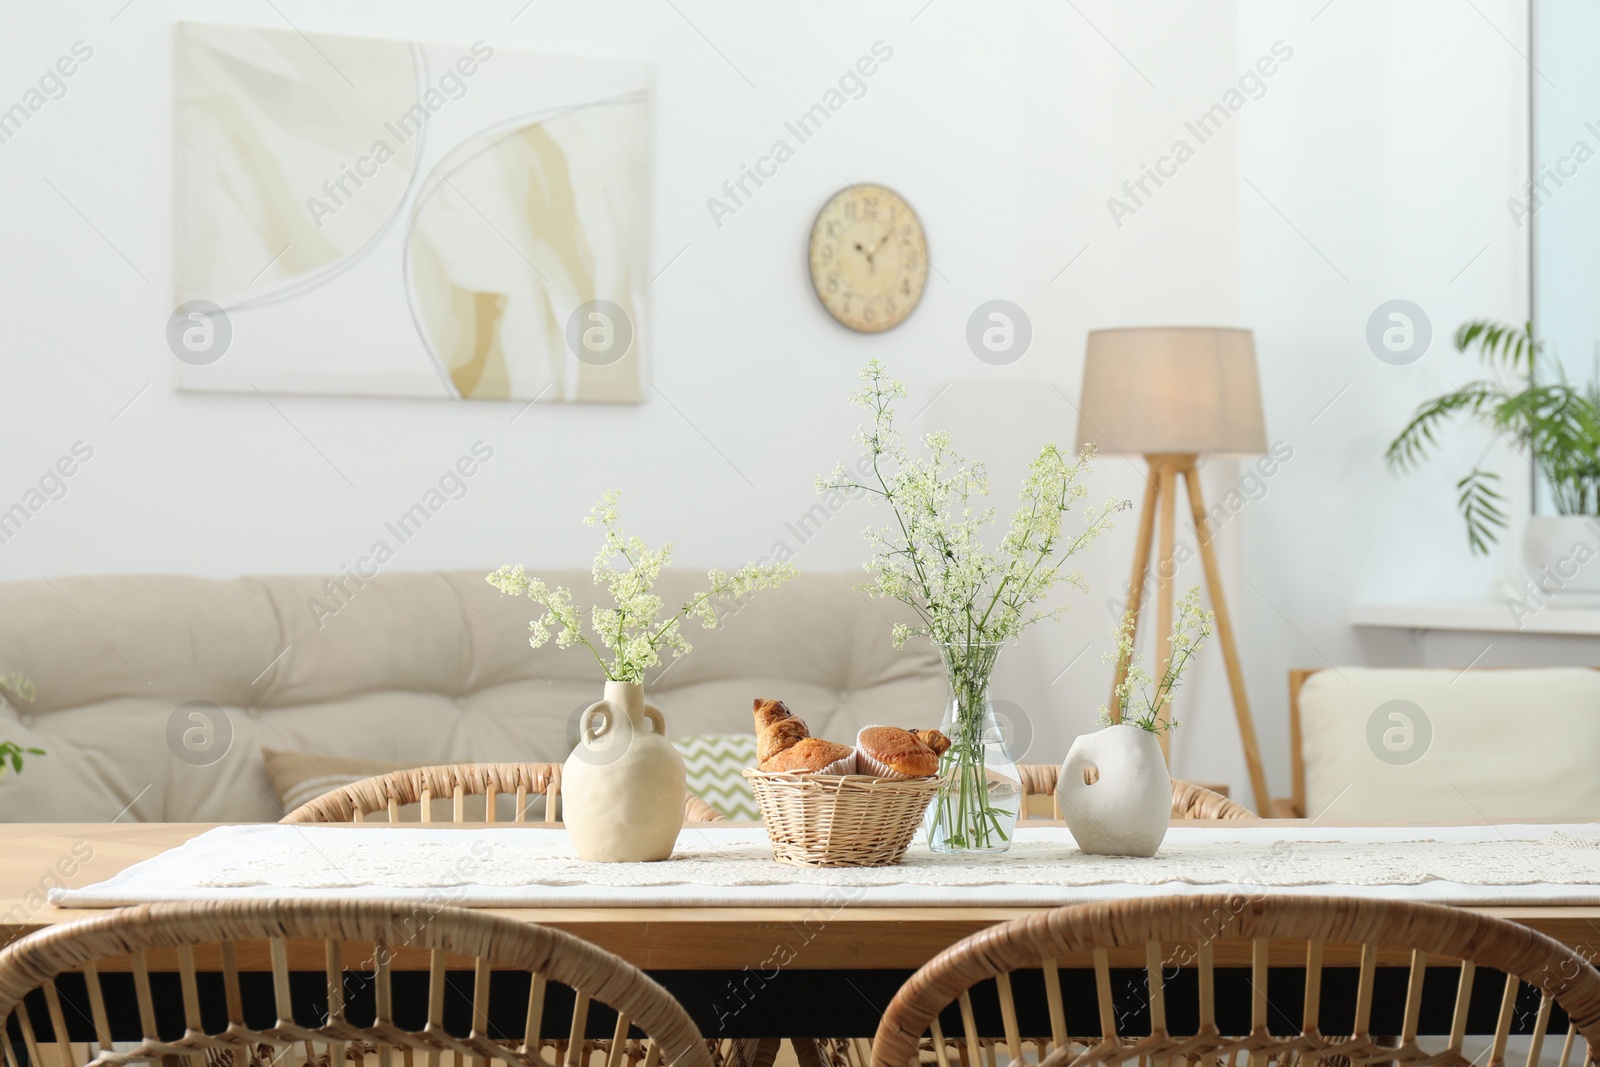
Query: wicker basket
{"points": [[840, 820]]}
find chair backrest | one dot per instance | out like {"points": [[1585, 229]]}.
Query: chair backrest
{"points": [[358, 948], [1189, 801], [1358, 735], [1190, 947], [390, 793]]}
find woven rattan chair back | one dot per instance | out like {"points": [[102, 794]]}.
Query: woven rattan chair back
{"points": [[352, 948], [1167, 1010], [1189, 801], [423, 786]]}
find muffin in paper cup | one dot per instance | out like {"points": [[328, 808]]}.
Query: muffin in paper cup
{"points": [[843, 765], [866, 764]]}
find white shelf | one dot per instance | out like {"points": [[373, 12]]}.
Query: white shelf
{"points": [[1480, 616]]}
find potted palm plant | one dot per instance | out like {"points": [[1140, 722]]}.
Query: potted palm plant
{"points": [[1527, 401]]}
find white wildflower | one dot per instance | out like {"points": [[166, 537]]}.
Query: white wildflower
{"points": [[1137, 703], [632, 631]]}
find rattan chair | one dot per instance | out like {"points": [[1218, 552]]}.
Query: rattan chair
{"points": [[1189, 801], [1164, 1017], [354, 947], [422, 786]]}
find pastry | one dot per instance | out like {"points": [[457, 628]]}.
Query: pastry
{"points": [[768, 711], [784, 744], [780, 737], [776, 729], [890, 752], [811, 755]]}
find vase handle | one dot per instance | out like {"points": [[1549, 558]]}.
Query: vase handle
{"points": [[657, 721], [588, 731]]}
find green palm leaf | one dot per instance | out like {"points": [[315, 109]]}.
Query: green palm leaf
{"points": [[1556, 425], [1479, 502], [1411, 446], [1500, 344]]}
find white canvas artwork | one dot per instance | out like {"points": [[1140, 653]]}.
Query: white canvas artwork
{"points": [[387, 218]]}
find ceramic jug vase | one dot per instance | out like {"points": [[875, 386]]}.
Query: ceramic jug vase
{"points": [[622, 789]]}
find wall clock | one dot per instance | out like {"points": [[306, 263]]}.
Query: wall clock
{"points": [[869, 258]]}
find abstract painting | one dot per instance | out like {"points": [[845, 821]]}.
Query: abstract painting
{"points": [[388, 218]]}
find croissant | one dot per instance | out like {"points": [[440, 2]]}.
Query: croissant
{"points": [[781, 736], [784, 743]]}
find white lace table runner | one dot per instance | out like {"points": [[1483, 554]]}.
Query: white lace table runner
{"points": [[733, 866]]}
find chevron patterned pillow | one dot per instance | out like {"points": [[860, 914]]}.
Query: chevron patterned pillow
{"points": [[714, 763]]}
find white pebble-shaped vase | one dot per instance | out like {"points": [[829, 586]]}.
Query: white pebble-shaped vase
{"points": [[1115, 793]]}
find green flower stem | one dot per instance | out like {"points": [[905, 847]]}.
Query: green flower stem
{"points": [[964, 816]]}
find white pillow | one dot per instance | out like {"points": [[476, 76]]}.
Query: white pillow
{"points": [[1479, 745]]}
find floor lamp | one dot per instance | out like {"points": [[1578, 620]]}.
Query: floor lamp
{"points": [[1173, 394]]}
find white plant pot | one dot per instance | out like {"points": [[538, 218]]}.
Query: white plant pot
{"points": [[622, 789], [1115, 792], [1562, 553]]}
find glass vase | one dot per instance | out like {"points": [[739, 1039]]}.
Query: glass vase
{"points": [[980, 789]]}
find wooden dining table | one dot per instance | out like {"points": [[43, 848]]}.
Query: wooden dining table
{"points": [[766, 960]]}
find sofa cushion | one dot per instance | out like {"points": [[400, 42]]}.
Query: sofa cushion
{"points": [[417, 668], [1450, 744], [714, 765]]}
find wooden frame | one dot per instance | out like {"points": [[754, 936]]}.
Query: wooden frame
{"points": [[1295, 806]]}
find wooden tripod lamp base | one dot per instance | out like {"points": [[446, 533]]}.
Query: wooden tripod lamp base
{"points": [[1158, 517], [1173, 394]]}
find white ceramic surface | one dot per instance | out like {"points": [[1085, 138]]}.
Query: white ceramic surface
{"points": [[1562, 553], [1115, 792]]}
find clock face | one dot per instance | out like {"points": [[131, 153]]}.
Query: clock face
{"points": [[869, 258]]}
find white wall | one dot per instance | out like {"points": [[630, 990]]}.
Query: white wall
{"points": [[1389, 142], [1392, 151]]}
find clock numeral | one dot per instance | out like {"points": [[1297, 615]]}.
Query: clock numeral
{"points": [[888, 305], [869, 313], [834, 227], [850, 210], [833, 285], [905, 287], [827, 251]]}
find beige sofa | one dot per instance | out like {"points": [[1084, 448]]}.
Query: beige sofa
{"points": [[430, 667]]}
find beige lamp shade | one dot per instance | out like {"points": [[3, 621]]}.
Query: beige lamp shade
{"points": [[1150, 389]]}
